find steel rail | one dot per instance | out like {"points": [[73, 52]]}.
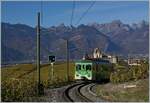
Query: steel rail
{"points": [[77, 91], [66, 92]]}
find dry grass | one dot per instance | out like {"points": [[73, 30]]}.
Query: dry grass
{"points": [[24, 76], [16, 71], [117, 92], [28, 71]]}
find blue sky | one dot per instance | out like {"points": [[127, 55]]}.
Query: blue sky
{"points": [[55, 13]]}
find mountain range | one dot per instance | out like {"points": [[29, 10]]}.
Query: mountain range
{"points": [[117, 38]]}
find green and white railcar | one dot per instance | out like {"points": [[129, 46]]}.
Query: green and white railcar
{"points": [[97, 70]]}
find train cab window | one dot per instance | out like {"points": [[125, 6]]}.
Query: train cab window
{"points": [[88, 67], [78, 67], [83, 66]]}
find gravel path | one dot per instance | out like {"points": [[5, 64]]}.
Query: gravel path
{"points": [[56, 95], [51, 95]]}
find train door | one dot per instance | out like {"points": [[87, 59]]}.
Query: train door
{"points": [[96, 72], [93, 71]]}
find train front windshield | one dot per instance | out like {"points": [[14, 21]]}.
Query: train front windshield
{"points": [[88, 67], [84, 70], [78, 67]]}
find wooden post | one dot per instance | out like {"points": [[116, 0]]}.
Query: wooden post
{"points": [[67, 60], [38, 52]]}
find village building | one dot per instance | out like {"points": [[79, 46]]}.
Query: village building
{"points": [[134, 62], [97, 54]]}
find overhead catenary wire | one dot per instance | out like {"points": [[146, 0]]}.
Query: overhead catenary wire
{"points": [[72, 15], [41, 10], [82, 16]]}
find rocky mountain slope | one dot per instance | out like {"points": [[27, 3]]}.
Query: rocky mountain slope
{"points": [[19, 40], [133, 38]]}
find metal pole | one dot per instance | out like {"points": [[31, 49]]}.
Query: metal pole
{"points": [[52, 64], [49, 74], [67, 61], [38, 52]]}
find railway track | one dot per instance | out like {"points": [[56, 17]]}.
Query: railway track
{"points": [[87, 91], [73, 93]]}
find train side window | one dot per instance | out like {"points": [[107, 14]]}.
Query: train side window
{"points": [[88, 67], [78, 67]]}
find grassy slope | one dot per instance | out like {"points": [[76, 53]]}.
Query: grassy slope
{"points": [[117, 92], [28, 71], [15, 71]]}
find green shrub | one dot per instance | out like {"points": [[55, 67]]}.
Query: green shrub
{"points": [[133, 73]]}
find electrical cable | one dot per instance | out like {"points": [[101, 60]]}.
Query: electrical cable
{"points": [[41, 4], [72, 15], [85, 12]]}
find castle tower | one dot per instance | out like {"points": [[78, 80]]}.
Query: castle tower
{"points": [[97, 53]]}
